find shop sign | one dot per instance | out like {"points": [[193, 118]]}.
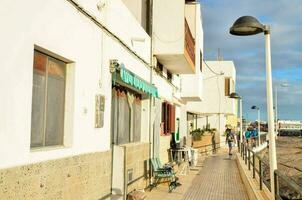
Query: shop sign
{"points": [[136, 82]]}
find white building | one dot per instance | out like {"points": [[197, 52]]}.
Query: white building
{"points": [[219, 79], [177, 41], [55, 133], [289, 125], [82, 109]]}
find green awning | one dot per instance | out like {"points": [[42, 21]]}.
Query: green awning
{"points": [[133, 80]]}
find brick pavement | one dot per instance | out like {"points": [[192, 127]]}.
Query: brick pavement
{"points": [[215, 177], [218, 179]]}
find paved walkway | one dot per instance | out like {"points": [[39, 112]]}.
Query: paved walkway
{"points": [[215, 177], [218, 179]]}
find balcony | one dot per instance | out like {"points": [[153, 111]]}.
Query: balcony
{"points": [[173, 40], [214, 99], [189, 93]]}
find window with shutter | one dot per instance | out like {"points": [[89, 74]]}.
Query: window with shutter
{"points": [[227, 88], [168, 118]]}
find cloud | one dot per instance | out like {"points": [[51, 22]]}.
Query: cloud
{"points": [[248, 53]]}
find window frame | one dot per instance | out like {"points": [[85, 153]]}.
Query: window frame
{"points": [[227, 86], [168, 118], [132, 137], [45, 106]]}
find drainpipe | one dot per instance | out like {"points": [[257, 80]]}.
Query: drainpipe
{"points": [[151, 139], [125, 174]]}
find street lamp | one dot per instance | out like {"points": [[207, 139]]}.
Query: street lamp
{"points": [[248, 25], [236, 96], [276, 103], [259, 130]]}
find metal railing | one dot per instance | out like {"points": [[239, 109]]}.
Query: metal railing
{"points": [[258, 167]]}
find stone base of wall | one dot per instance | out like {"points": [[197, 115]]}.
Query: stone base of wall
{"points": [[137, 161], [81, 177]]}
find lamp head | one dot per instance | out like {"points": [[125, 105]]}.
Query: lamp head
{"points": [[254, 108], [234, 95], [247, 25], [284, 84]]}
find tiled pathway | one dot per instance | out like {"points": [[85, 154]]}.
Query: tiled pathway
{"points": [[215, 178], [218, 179]]}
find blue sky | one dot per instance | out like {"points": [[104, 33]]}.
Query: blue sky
{"points": [[248, 53]]}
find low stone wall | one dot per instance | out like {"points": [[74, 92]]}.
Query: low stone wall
{"points": [[252, 184], [81, 177], [205, 140]]}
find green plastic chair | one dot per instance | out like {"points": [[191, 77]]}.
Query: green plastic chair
{"points": [[161, 173]]}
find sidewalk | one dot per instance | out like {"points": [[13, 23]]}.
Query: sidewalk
{"points": [[215, 177]]}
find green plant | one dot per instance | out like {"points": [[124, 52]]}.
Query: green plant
{"points": [[198, 133]]}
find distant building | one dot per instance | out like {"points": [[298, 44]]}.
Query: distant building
{"points": [[289, 125]]}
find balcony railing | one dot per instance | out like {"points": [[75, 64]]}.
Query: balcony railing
{"points": [[189, 43]]}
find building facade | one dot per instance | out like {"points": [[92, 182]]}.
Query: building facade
{"points": [[57, 139], [93, 90], [289, 125], [216, 110]]}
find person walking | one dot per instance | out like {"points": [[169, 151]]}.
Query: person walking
{"points": [[213, 142], [229, 139]]}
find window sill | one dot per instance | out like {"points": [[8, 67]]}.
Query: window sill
{"points": [[49, 148]]}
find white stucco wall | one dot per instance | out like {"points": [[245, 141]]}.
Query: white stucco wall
{"points": [[121, 21], [165, 90], [168, 26], [215, 100], [189, 93], [57, 26]]}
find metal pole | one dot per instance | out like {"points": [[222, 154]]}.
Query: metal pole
{"points": [[249, 158], [276, 108], [260, 174], [259, 130], [269, 90], [254, 165], [241, 132]]}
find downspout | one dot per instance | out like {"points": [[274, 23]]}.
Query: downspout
{"points": [[125, 174], [151, 139]]}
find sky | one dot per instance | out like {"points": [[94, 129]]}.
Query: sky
{"points": [[248, 52]]}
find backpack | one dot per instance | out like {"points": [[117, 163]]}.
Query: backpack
{"points": [[230, 137]]}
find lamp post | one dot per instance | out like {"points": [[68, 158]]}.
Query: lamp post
{"points": [[276, 103], [236, 96], [259, 130], [248, 25]]}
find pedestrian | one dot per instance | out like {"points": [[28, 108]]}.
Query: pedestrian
{"points": [[213, 142], [229, 139]]}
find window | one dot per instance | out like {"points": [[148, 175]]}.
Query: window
{"points": [[126, 115], [48, 101], [227, 88], [168, 118], [159, 68]]}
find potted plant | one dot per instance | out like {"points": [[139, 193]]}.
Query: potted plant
{"points": [[197, 134]]}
